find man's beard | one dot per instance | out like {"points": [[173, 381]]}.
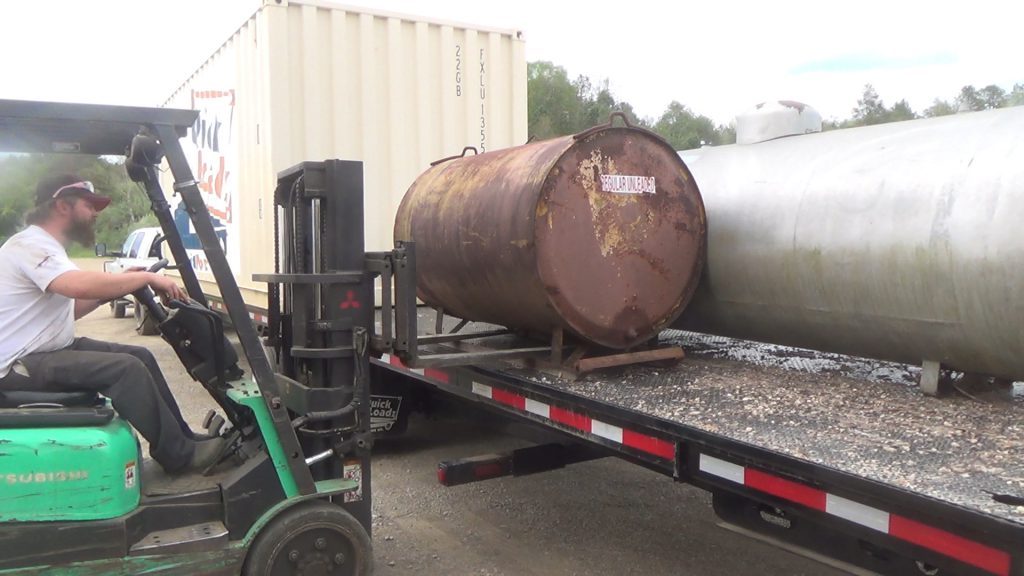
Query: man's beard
{"points": [[83, 232]]}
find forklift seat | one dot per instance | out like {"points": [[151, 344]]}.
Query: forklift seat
{"points": [[30, 409], [35, 399]]}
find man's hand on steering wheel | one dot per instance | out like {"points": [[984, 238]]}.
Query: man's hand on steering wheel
{"points": [[167, 289]]}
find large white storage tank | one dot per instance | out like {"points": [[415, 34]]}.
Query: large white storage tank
{"points": [[897, 241], [307, 80]]}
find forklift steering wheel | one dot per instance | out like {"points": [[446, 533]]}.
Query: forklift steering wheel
{"points": [[158, 266], [147, 298]]}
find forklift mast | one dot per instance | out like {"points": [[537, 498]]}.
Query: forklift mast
{"points": [[320, 307]]}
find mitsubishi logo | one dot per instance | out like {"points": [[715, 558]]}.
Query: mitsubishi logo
{"points": [[350, 301]]}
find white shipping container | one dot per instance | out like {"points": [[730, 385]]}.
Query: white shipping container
{"points": [[308, 80]]}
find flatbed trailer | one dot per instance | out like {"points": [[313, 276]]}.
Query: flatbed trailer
{"points": [[839, 458]]}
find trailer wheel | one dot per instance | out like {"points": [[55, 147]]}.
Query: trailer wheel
{"points": [[119, 309], [311, 538], [145, 324]]}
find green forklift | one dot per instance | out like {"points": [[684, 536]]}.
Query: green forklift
{"points": [[291, 494]]}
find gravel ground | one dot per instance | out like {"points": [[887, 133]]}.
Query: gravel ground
{"points": [[600, 517]]}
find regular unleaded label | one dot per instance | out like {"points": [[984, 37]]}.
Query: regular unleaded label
{"points": [[621, 184]]}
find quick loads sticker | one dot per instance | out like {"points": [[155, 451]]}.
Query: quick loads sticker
{"points": [[384, 412]]}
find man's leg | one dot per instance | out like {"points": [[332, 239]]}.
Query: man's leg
{"points": [[147, 358], [127, 382]]}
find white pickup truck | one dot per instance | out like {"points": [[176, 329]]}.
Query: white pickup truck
{"points": [[142, 248]]}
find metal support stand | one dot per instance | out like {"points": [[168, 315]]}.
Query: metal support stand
{"points": [[931, 379], [397, 270], [439, 321], [458, 327], [557, 338]]}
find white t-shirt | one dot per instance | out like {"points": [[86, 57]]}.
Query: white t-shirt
{"points": [[32, 319]]}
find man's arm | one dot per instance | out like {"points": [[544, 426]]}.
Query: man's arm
{"points": [[83, 307], [84, 285]]}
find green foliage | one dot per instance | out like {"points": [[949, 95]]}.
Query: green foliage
{"points": [[872, 110], [559, 106], [554, 106], [726, 134], [831, 124], [20, 174], [685, 130], [1016, 96], [901, 111], [969, 100], [939, 108], [992, 96], [15, 199], [597, 104]]}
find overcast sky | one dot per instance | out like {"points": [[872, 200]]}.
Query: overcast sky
{"points": [[719, 57]]}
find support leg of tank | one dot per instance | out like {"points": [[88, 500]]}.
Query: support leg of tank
{"points": [[557, 338], [462, 324], [932, 382], [576, 356], [439, 321]]}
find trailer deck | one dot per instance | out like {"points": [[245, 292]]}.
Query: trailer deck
{"points": [[862, 417], [845, 442]]}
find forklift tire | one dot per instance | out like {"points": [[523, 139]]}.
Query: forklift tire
{"points": [[145, 324], [315, 537], [119, 309]]}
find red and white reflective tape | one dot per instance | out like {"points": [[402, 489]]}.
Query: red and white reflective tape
{"points": [[636, 440], [639, 441], [431, 373], [946, 543]]}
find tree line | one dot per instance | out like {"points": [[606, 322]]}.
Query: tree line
{"points": [[871, 109], [559, 106]]}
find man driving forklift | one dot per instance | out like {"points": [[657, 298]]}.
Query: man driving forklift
{"points": [[44, 293]]}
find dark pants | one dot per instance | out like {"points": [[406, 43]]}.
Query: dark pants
{"points": [[130, 377]]}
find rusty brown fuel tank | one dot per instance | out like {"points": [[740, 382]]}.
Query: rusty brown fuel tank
{"points": [[601, 233]]}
